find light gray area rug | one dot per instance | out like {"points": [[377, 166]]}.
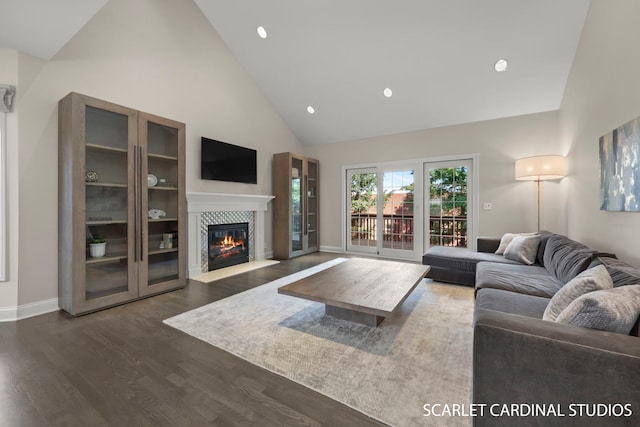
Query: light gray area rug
{"points": [[420, 355]]}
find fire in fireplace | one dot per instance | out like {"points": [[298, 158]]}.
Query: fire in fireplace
{"points": [[228, 244]]}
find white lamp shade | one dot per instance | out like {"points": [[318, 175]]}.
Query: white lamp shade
{"points": [[540, 168]]}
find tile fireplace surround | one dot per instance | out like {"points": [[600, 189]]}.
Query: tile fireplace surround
{"points": [[203, 207]]}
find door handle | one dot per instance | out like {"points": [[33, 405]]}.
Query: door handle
{"points": [[136, 205], [305, 209], [140, 213]]}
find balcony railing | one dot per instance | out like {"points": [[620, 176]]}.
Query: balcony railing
{"points": [[448, 230], [398, 231]]}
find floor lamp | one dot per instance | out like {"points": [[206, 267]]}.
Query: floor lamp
{"points": [[540, 168]]}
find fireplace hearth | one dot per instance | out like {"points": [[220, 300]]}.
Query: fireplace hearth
{"points": [[228, 245]]}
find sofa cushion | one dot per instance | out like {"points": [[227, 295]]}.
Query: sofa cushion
{"points": [[612, 310], [590, 280], [447, 275], [525, 279], [544, 238], [459, 258], [487, 244], [523, 249], [621, 273], [565, 258], [511, 302]]}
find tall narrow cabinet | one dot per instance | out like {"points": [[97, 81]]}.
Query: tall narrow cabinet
{"points": [[295, 216], [121, 177]]}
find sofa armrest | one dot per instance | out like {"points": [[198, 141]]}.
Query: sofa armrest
{"points": [[487, 244], [522, 360]]}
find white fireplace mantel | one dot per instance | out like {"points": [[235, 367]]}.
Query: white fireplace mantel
{"points": [[216, 202], [197, 203]]}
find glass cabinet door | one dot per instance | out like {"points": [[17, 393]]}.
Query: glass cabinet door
{"points": [[108, 218], [312, 204], [297, 205], [162, 205]]}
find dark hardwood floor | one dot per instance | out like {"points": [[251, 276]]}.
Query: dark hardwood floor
{"points": [[124, 367]]}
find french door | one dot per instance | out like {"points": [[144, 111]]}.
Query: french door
{"points": [[362, 199], [448, 190], [381, 212]]}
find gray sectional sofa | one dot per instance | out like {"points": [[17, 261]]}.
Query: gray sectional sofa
{"points": [[520, 359]]}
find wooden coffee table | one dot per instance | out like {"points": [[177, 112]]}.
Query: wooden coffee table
{"points": [[360, 290]]}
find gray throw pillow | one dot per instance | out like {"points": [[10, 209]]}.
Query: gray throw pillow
{"points": [[523, 248], [590, 280], [612, 310], [504, 242]]}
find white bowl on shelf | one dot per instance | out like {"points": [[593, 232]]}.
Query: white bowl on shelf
{"points": [[156, 213]]}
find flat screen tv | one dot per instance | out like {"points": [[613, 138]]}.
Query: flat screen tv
{"points": [[222, 161]]}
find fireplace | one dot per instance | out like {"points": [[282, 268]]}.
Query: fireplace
{"points": [[206, 209], [228, 244]]}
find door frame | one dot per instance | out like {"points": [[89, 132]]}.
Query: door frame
{"points": [[418, 165]]}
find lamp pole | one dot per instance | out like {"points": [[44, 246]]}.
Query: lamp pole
{"points": [[538, 184], [540, 168]]}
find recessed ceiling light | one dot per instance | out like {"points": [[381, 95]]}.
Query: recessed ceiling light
{"points": [[501, 65], [310, 109], [387, 92], [262, 32]]}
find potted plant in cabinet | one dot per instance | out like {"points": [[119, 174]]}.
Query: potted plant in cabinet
{"points": [[97, 246]]}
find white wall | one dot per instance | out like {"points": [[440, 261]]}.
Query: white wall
{"points": [[603, 92], [158, 56], [498, 142]]}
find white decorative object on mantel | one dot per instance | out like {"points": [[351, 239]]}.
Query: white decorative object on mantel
{"points": [[198, 203], [6, 97]]}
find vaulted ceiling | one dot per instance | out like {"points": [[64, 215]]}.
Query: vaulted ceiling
{"points": [[337, 56]]}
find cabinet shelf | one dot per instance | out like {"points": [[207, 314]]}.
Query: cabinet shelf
{"points": [[105, 148], [164, 219], [124, 255], [106, 184], [107, 258], [162, 251], [162, 157], [165, 188], [106, 222]]}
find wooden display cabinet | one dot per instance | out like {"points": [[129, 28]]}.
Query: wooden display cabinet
{"points": [[115, 165], [295, 219]]}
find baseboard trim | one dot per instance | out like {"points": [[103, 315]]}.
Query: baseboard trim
{"points": [[332, 249], [8, 314], [11, 314]]}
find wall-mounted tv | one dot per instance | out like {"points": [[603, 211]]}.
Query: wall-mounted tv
{"points": [[222, 161]]}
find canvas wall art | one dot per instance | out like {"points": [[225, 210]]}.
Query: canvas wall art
{"points": [[620, 168]]}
